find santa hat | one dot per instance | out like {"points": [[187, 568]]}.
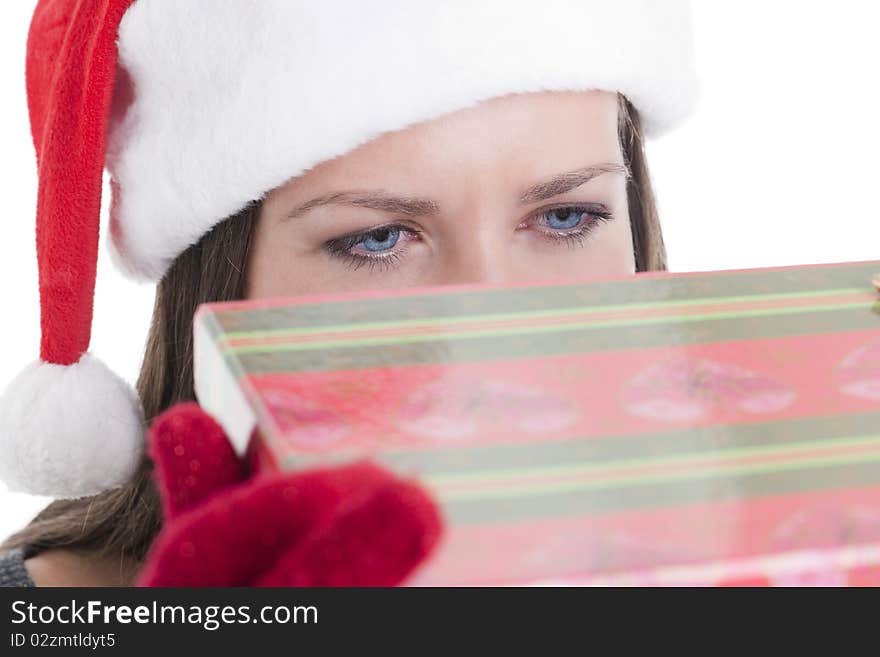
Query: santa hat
{"points": [[197, 108]]}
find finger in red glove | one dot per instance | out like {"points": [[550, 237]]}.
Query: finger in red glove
{"points": [[354, 525], [193, 458], [377, 535]]}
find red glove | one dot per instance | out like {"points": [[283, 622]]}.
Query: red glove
{"points": [[356, 525]]}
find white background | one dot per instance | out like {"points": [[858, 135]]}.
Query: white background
{"points": [[778, 166]]}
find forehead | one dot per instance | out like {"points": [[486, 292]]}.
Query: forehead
{"points": [[515, 135]]}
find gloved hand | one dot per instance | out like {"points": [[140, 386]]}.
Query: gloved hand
{"points": [[356, 525]]}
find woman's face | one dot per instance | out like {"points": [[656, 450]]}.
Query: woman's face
{"points": [[522, 188]]}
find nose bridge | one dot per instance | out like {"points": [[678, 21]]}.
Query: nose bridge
{"points": [[478, 249]]}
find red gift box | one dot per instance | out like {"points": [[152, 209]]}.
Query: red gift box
{"points": [[710, 428]]}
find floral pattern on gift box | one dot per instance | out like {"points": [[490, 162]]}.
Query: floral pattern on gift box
{"points": [[859, 372], [305, 423], [457, 407], [605, 553], [682, 389], [824, 527]]}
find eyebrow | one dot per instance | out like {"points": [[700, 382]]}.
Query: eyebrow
{"points": [[374, 200], [566, 182], [421, 207]]}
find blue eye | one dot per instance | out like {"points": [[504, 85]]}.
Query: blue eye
{"points": [[380, 239], [564, 218]]}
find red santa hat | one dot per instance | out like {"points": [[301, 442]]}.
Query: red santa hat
{"points": [[198, 107]]}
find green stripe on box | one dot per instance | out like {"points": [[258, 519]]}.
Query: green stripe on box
{"points": [[707, 489], [530, 327], [697, 462], [528, 316], [481, 348], [470, 459], [633, 290], [711, 484]]}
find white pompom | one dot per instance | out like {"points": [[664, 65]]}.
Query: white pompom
{"points": [[69, 431]]}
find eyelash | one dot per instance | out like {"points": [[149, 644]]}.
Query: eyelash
{"points": [[340, 247]]}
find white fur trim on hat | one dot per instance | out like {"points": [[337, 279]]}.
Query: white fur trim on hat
{"points": [[69, 430], [232, 98]]}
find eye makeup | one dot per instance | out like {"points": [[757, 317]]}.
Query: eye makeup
{"points": [[564, 224]]}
